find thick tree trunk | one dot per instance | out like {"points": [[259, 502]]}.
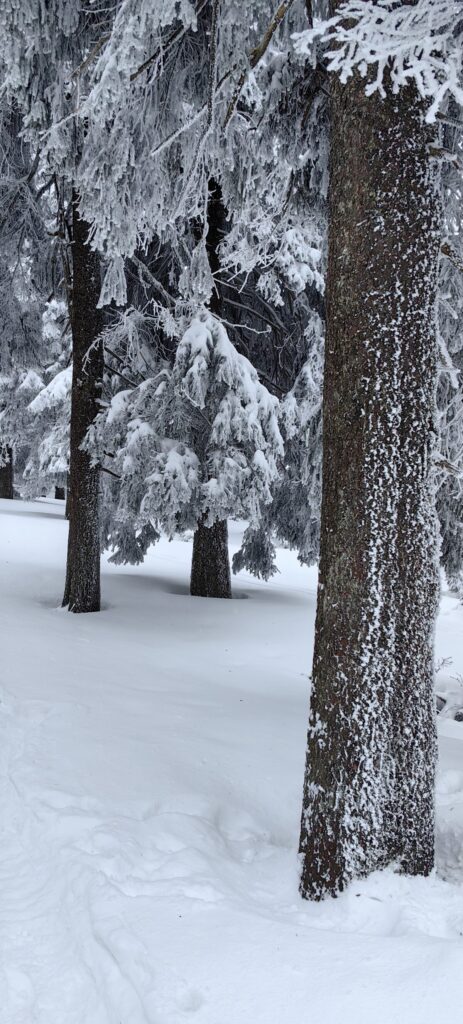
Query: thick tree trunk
{"points": [[368, 791], [7, 477], [82, 589], [210, 567]]}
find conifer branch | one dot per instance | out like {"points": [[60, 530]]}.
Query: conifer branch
{"points": [[257, 53], [179, 32], [451, 254]]}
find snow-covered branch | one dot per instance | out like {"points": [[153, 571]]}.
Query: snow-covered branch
{"points": [[419, 43]]}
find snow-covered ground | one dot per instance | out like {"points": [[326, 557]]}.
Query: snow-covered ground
{"points": [[151, 770]]}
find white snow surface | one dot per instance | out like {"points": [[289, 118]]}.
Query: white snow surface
{"points": [[151, 775]]}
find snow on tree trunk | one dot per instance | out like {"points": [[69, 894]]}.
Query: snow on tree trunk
{"points": [[6, 477], [82, 589], [210, 567], [368, 790]]}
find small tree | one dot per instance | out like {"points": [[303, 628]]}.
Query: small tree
{"points": [[193, 445]]}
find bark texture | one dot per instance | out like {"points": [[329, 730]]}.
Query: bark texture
{"points": [[210, 569], [369, 781], [7, 477], [82, 589]]}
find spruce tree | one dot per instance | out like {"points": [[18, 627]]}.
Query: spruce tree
{"points": [[368, 790]]}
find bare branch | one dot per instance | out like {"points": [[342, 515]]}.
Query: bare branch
{"points": [[451, 254], [112, 369], [104, 469]]}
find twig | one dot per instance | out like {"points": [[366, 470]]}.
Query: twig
{"points": [[445, 464], [439, 153], [179, 32], [104, 469], [112, 369], [142, 268], [44, 188], [453, 122], [118, 358], [257, 53], [91, 56]]}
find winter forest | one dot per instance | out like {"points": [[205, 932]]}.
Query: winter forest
{"points": [[231, 427]]}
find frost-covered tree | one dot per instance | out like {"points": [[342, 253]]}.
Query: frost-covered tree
{"points": [[191, 446], [368, 792], [213, 147], [45, 49], [183, 94]]}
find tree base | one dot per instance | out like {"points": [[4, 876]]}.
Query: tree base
{"points": [[210, 568], [6, 478]]}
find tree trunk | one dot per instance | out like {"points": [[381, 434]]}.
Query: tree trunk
{"points": [[6, 477], [368, 789], [82, 589], [210, 567]]}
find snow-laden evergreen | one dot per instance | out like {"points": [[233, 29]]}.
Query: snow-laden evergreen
{"points": [[198, 442], [293, 516], [221, 122]]}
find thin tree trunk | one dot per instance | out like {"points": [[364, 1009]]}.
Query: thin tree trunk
{"points": [[210, 569], [82, 589], [368, 788], [7, 477]]}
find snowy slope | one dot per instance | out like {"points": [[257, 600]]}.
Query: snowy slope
{"points": [[152, 761]]}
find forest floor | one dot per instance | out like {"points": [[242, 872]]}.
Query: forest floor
{"points": [[151, 768]]}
